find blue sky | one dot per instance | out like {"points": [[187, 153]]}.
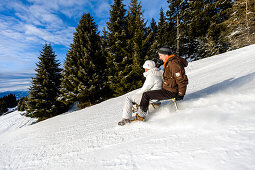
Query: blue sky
{"points": [[25, 25]]}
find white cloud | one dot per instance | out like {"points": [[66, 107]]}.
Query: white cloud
{"points": [[61, 36], [34, 22], [102, 9]]}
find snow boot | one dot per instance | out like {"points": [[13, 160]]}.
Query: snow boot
{"points": [[139, 118], [123, 122]]}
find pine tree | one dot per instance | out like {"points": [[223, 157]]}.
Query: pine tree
{"points": [[3, 107], [138, 45], [119, 65], [241, 24], [45, 86], [175, 14], [84, 68], [22, 104], [204, 30], [162, 32], [11, 101], [106, 91], [195, 26], [217, 12], [153, 43]]}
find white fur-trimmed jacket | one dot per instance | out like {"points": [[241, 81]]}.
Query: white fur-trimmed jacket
{"points": [[154, 80]]}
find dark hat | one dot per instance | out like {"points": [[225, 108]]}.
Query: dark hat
{"points": [[165, 50]]}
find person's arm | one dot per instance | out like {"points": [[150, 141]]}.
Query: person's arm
{"points": [[181, 79], [147, 85]]}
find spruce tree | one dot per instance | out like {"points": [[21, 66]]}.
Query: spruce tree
{"points": [[203, 26], [138, 45], [118, 62], [217, 12], [153, 43], [162, 30], [175, 14], [84, 68], [106, 91], [43, 92], [22, 104], [12, 100], [195, 30], [3, 106], [241, 24]]}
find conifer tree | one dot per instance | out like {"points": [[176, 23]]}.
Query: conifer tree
{"points": [[203, 32], [6, 102], [43, 92], [138, 44], [175, 14], [217, 12], [119, 65], [241, 24], [3, 107], [84, 68], [106, 91], [12, 100], [162, 30], [153, 42], [195, 30], [22, 104]]}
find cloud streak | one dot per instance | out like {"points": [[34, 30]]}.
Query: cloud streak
{"points": [[25, 25]]}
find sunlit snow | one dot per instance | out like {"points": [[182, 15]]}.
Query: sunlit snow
{"points": [[214, 129]]}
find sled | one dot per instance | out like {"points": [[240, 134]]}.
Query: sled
{"points": [[156, 103]]}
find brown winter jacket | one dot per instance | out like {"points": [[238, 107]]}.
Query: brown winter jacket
{"points": [[175, 79]]}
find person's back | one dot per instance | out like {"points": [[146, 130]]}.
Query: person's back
{"points": [[175, 78], [154, 80]]}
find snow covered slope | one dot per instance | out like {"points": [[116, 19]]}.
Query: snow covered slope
{"points": [[14, 120], [214, 128]]}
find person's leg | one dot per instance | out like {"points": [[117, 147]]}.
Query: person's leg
{"points": [[154, 94], [127, 109], [136, 98], [130, 100]]}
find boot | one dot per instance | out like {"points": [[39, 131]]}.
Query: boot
{"points": [[123, 122], [140, 118]]}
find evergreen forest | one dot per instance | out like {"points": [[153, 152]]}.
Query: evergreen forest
{"points": [[6, 102], [102, 65]]}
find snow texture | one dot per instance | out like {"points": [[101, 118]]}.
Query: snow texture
{"points": [[214, 129]]}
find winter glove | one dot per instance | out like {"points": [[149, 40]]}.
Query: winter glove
{"points": [[179, 97]]}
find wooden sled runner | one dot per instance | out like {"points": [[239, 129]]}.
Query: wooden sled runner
{"points": [[155, 104]]}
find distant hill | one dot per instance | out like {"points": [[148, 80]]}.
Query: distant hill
{"points": [[18, 94]]}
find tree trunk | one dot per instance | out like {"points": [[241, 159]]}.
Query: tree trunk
{"points": [[247, 22], [178, 34]]}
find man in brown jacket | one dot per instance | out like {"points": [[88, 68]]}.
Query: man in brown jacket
{"points": [[174, 85]]}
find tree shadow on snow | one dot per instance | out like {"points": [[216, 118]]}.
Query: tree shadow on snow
{"points": [[226, 84], [231, 83]]}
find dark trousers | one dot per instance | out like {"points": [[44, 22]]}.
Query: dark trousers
{"points": [[155, 95]]}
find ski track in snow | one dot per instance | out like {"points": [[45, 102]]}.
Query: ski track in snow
{"points": [[14, 120], [213, 129]]}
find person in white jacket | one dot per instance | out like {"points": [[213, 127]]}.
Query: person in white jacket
{"points": [[153, 81]]}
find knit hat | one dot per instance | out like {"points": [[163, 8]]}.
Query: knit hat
{"points": [[149, 64], [165, 50]]}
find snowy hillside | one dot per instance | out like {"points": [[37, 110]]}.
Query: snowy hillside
{"points": [[14, 120], [213, 130]]}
